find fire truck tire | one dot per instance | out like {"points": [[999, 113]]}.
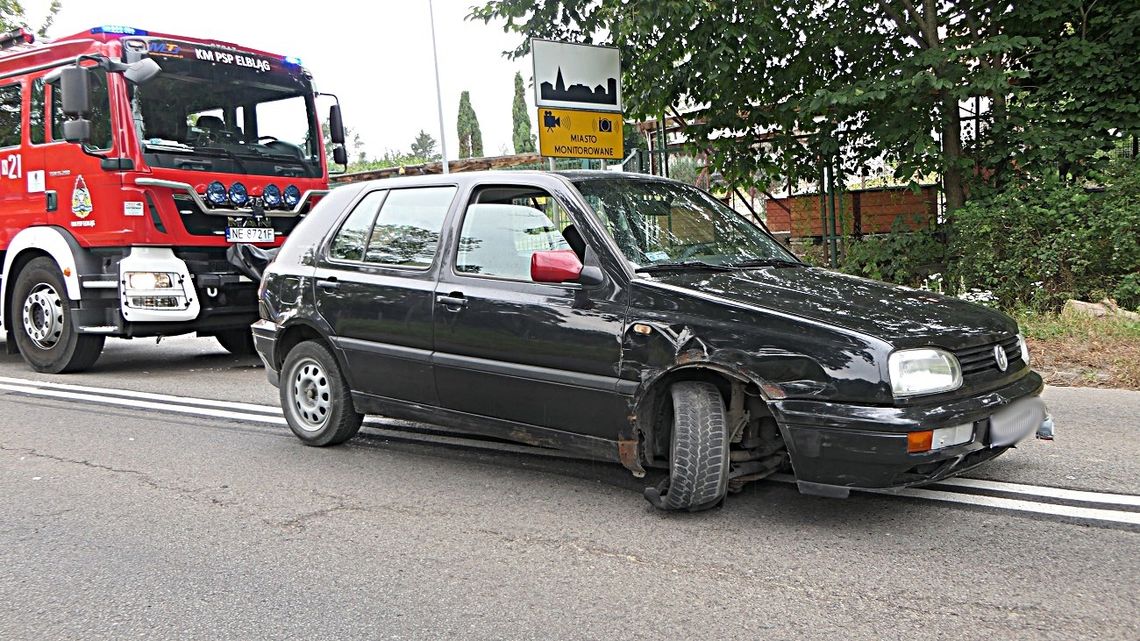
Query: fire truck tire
{"points": [[238, 342], [41, 321]]}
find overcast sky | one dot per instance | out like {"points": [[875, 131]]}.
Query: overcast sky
{"points": [[375, 55]]}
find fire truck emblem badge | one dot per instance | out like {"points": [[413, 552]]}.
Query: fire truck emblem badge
{"points": [[81, 199]]}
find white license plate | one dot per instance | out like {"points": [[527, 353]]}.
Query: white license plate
{"points": [[249, 234], [1016, 421]]}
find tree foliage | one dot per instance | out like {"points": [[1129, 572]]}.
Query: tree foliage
{"points": [[793, 81], [424, 147], [470, 138], [14, 16], [520, 118]]}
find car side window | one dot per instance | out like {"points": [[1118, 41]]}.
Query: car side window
{"points": [[406, 233], [501, 230], [350, 241]]}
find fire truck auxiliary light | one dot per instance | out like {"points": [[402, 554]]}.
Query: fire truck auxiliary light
{"points": [[216, 194], [239, 196], [292, 196], [271, 196], [119, 30]]}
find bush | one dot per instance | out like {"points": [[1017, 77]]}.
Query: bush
{"points": [[902, 256], [1039, 242]]}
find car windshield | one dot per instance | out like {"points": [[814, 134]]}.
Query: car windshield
{"points": [[221, 117], [662, 224]]}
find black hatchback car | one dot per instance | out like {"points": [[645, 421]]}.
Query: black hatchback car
{"points": [[631, 319]]}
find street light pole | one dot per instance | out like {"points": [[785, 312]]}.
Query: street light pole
{"points": [[438, 94]]}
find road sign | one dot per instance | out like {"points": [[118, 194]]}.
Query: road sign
{"points": [[579, 134], [570, 76]]}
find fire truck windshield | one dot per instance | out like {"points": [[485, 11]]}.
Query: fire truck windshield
{"points": [[199, 115]]}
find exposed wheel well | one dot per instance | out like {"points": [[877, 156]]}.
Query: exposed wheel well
{"points": [[743, 399]]}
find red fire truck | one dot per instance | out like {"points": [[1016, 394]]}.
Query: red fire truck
{"points": [[130, 162]]}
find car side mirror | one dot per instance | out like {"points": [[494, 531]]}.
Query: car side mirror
{"points": [[562, 266]]}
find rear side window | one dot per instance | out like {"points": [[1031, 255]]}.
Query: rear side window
{"points": [[11, 106], [406, 232], [349, 242]]}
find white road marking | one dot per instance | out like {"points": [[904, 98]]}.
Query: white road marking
{"points": [[268, 414]]}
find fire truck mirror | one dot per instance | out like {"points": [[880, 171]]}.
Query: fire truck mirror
{"points": [[75, 90], [336, 125], [139, 72], [340, 156], [77, 131]]}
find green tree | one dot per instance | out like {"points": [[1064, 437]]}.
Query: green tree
{"points": [[863, 80], [424, 147], [13, 16], [523, 138], [470, 138]]}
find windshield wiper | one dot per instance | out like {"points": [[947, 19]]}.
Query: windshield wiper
{"points": [[225, 152], [767, 262], [683, 265]]}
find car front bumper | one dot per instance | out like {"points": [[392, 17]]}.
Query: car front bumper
{"points": [[835, 447], [265, 341]]}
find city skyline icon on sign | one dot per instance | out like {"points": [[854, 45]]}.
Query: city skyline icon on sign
{"points": [[607, 95]]}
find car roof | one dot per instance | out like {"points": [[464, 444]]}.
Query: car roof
{"points": [[462, 178]]}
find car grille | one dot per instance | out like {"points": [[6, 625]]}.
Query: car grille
{"points": [[200, 223], [980, 359]]}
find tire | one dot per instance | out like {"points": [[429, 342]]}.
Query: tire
{"points": [[698, 459], [42, 323], [315, 397], [238, 342]]}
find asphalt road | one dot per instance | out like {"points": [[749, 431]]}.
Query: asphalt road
{"points": [[124, 523]]}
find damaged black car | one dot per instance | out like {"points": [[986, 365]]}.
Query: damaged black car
{"points": [[632, 319]]}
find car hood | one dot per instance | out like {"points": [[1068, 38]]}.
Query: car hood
{"points": [[896, 314]]}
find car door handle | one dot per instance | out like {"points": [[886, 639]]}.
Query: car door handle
{"points": [[454, 299], [328, 284]]}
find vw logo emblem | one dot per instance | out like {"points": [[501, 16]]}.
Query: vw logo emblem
{"points": [[1000, 357]]}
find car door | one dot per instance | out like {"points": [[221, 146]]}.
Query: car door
{"points": [[509, 348], [375, 282]]}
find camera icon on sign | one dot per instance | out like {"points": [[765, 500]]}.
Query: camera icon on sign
{"points": [[550, 121], [605, 125]]}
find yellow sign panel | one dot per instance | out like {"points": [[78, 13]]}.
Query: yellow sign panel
{"points": [[579, 134]]}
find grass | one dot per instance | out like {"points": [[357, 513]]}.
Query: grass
{"points": [[1083, 351]]}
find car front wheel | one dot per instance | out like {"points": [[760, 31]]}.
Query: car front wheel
{"points": [[698, 453], [315, 397]]}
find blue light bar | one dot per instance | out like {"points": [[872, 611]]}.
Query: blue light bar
{"points": [[120, 30], [293, 60]]}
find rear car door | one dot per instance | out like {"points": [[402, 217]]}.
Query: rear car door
{"points": [[375, 282], [507, 347]]}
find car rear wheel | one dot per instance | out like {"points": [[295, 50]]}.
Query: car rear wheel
{"points": [[698, 459], [238, 342], [45, 331], [315, 397]]}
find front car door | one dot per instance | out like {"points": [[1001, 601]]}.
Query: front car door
{"points": [[507, 347], [375, 282]]}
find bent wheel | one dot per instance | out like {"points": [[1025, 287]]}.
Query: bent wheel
{"points": [[45, 331], [315, 397], [698, 459]]}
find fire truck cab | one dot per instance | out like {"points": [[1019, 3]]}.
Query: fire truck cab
{"points": [[130, 163]]}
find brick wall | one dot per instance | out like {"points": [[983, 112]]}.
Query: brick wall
{"points": [[868, 211]]}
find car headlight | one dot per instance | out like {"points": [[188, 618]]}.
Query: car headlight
{"points": [[149, 280], [1024, 349], [923, 371]]}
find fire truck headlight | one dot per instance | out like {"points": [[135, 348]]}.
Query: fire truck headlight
{"points": [[150, 280], [271, 195], [216, 194], [239, 196], [292, 196]]}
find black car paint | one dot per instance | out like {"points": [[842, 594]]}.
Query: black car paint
{"points": [[561, 365]]}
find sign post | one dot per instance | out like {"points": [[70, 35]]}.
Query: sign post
{"points": [[578, 93]]}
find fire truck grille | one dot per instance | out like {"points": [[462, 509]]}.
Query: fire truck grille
{"points": [[200, 223]]}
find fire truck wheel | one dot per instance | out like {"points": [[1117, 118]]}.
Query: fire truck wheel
{"points": [[41, 320], [238, 342]]}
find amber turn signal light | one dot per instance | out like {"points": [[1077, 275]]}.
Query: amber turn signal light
{"points": [[919, 441]]}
